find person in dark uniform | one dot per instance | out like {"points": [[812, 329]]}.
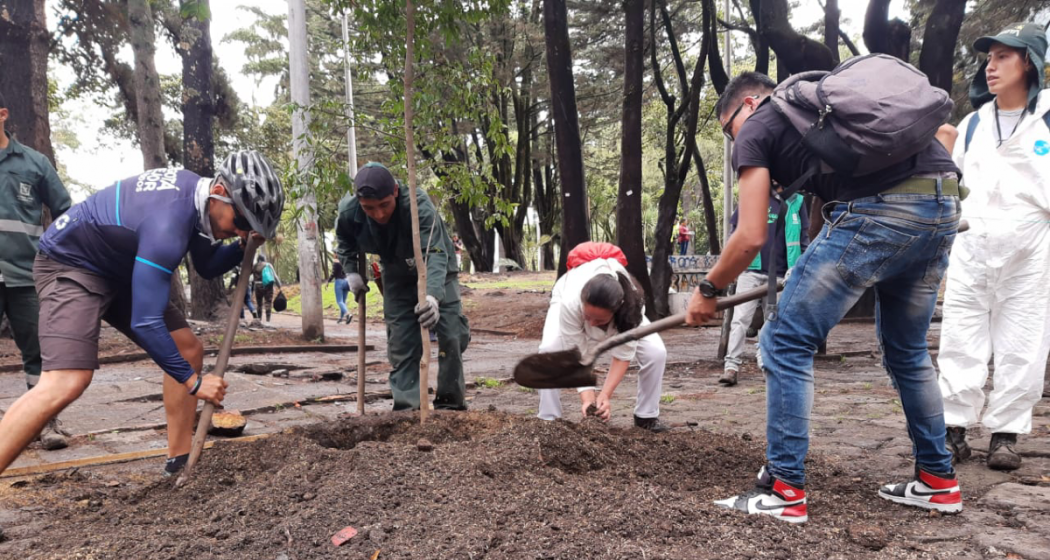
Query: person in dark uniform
{"points": [[377, 219]]}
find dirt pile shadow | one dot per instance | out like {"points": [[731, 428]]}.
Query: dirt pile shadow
{"points": [[473, 485]]}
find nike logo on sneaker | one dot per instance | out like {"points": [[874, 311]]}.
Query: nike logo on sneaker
{"points": [[922, 494], [760, 505]]}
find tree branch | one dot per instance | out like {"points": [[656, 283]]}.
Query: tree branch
{"points": [[657, 74]]}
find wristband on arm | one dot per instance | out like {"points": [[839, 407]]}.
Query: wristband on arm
{"points": [[197, 385]]}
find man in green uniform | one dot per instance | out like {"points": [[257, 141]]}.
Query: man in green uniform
{"points": [[378, 220], [28, 182]]}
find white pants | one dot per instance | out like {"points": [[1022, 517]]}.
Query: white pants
{"points": [[742, 315], [651, 356], [1005, 312]]}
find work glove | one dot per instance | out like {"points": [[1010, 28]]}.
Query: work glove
{"points": [[358, 286], [428, 312]]}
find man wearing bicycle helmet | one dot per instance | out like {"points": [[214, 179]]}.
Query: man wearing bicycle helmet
{"points": [[111, 258]]}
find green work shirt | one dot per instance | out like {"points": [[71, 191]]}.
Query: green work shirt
{"points": [[356, 232], [28, 182]]}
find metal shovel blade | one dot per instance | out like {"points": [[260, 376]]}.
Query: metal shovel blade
{"points": [[569, 368], [555, 370]]}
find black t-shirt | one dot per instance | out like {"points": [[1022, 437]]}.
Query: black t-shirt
{"points": [[767, 139]]}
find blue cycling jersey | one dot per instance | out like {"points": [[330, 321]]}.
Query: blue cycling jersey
{"points": [[135, 233]]}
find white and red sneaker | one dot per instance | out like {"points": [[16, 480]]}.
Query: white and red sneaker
{"points": [[930, 491], [771, 496]]}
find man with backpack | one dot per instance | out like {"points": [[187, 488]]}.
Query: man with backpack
{"points": [[889, 225], [265, 280], [997, 300]]}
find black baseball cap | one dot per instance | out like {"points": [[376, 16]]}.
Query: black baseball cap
{"points": [[375, 181]]}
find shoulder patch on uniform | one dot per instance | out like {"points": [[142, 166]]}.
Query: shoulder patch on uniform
{"points": [[1042, 147]]}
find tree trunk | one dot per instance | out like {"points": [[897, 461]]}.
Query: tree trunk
{"points": [[629, 235], [882, 35], [710, 218], [566, 128], [797, 52], [831, 28], [149, 118], [761, 44], [677, 161], [309, 271], [198, 147], [207, 297], [147, 85], [546, 202], [939, 40], [23, 73], [177, 296]]}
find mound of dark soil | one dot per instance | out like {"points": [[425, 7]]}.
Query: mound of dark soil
{"points": [[493, 486]]}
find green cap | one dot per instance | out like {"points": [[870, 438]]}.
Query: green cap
{"points": [[1028, 36]]}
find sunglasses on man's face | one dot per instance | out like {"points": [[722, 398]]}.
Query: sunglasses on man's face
{"points": [[727, 127], [239, 221]]}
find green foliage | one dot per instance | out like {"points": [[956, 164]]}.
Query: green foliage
{"points": [[373, 308], [487, 382], [195, 9]]}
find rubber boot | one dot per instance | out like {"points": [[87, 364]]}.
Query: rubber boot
{"points": [[957, 444]]}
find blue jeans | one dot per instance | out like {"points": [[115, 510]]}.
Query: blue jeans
{"points": [[342, 288], [248, 301], [899, 244]]}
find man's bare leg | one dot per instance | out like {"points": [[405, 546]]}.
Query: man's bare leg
{"points": [[179, 405], [24, 420]]}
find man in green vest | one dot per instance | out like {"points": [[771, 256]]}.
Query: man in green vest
{"points": [[28, 182], [377, 219], [783, 247]]}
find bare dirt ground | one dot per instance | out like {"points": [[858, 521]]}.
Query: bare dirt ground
{"points": [[496, 482]]}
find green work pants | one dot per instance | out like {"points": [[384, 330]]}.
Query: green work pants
{"points": [[405, 346], [22, 309]]}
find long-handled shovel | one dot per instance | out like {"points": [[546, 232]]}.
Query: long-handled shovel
{"points": [[568, 368], [223, 358]]}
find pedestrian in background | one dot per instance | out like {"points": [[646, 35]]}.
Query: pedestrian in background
{"points": [[342, 288], [28, 183]]}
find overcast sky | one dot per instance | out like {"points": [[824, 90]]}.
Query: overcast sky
{"points": [[102, 159]]}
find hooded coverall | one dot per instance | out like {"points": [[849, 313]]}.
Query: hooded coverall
{"points": [[997, 301], [356, 232]]}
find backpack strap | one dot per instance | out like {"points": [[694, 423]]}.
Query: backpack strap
{"points": [[971, 127], [771, 270]]}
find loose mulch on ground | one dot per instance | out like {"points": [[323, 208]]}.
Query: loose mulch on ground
{"points": [[469, 485]]}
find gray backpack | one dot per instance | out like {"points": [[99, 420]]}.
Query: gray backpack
{"points": [[867, 114]]}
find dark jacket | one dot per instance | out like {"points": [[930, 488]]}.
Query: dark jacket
{"points": [[28, 182], [355, 232]]}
